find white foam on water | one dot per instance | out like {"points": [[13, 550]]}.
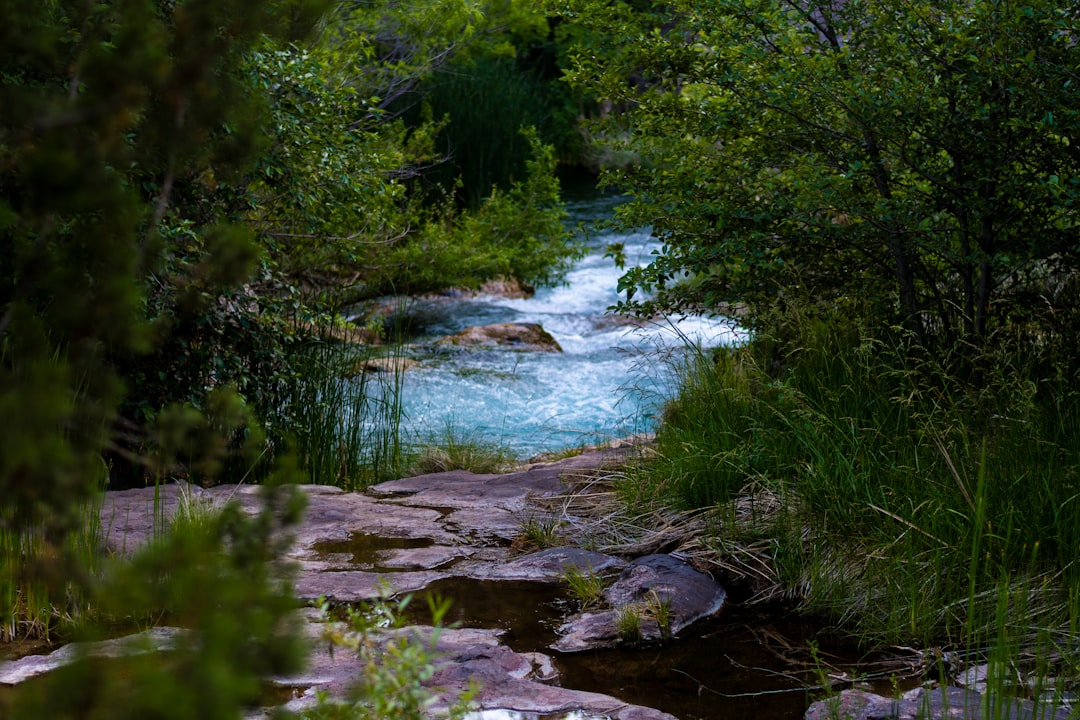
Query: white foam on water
{"points": [[610, 380]]}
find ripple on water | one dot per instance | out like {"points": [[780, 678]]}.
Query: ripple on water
{"points": [[609, 382]]}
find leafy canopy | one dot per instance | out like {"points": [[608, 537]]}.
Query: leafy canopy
{"points": [[919, 159]]}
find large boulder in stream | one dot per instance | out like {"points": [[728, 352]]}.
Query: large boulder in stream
{"points": [[516, 336], [665, 593]]}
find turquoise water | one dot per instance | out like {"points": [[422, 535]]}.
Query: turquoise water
{"points": [[610, 380]]}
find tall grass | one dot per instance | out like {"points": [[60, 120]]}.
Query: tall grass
{"points": [[340, 420], [456, 449], [344, 412], [488, 102], [32, 605], [919, 506]]}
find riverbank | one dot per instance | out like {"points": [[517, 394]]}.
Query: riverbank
{"points": [[506, 549], [370, 549], [853, 477]]}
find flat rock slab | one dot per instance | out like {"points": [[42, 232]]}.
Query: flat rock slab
{"points": [[131, 518], [351, 586], [464, 489], [436, 526], [463, 515], [946, 703], [481, 525], [456, 489], [648, 582], [338, 515], [550, 565], [153, 640], [508, 680], [467, 520]]}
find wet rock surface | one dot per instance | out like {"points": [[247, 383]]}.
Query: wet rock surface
{"points": [[508, 680], [929, 704], [666, 594], [403, 536], [550, 565], [515, 336], [152, 640]]}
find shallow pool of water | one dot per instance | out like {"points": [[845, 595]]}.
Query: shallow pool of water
{"points": [[740, 664]]}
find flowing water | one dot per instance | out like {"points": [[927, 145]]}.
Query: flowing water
{"points": [[608, 382]]}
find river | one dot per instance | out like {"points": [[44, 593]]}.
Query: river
{"points": [[609, 381]]}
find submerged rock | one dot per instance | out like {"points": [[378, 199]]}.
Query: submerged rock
{"points": [[665, 593], [462, 489], [517, 336]]}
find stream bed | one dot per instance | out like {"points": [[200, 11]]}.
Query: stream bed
{"points": [[744, 662]]}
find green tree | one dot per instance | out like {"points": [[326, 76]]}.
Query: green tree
{"points": [[114, 114], [117, 122], [337, 195], [177, 181], [289, 201], [921, 159], [506, 79]]}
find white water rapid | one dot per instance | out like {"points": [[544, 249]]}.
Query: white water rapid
{"points": [[608, 382]]}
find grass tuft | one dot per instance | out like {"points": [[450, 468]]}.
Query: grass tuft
{"points": [[587, 587], [32, 606], [538, 532], [628, 624], [456, 450]]}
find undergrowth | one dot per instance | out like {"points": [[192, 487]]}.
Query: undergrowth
{"points": [[397, 664], [33, 605], [913, 498]]}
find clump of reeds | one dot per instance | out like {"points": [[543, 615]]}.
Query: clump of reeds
{"points": [[456, 449], [585, 586], [343, 412], [32, 605]]}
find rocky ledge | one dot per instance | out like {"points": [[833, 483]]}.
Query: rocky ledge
{"points": [[432, 527], [458, 524]]}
